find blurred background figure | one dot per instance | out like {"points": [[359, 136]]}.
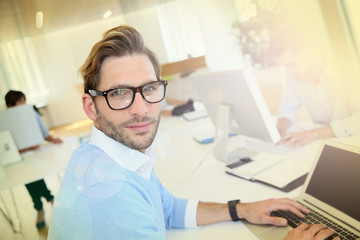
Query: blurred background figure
{"points": [[176, 107], [312, 81], [38, 188]]}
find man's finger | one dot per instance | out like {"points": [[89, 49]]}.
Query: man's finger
{"points": [[324, 234], [314, 229], [303, 227], [292, 206], [276, 221]]}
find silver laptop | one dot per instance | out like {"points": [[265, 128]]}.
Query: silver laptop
{"points": [[331, 189], [8, 151]]}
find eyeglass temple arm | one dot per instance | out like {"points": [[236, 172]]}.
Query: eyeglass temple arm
{"points": [[95, 93]]}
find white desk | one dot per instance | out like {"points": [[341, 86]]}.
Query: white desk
{"points": [[48, 160], [179, 154]]}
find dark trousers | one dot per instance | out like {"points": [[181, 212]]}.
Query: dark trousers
{"points": [[37, 190]]}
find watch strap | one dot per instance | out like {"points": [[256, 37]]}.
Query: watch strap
{"points": [[232, 209]]}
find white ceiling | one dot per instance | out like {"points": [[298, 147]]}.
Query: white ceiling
{"points": [[17, 17]]}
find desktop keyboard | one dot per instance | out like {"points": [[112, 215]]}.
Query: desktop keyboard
{"points": [[315, 218], [269, 147]]}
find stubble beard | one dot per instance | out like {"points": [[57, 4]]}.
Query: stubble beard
{"points": [[118, 133]]}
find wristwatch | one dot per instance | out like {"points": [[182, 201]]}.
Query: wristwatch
{"points": [[232, 209]]}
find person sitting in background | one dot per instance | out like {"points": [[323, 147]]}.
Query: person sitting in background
{"points": [[38, 188], [330, 100]]}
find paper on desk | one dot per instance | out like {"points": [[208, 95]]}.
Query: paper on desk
{"points": [[261, 162], [276, 170], [283, 173]]}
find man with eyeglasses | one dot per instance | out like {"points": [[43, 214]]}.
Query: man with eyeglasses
{"points": [[109, 190]]}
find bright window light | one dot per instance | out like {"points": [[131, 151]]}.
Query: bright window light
{"points": [[39, 19], [107, 14]]}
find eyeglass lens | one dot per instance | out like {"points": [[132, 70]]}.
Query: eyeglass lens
{"points": [[123, 97]]}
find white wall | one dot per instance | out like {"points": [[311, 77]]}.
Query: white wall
{"points": [[352, 8], [61, 54], [147, 23], [308, 14], [222, 49]]}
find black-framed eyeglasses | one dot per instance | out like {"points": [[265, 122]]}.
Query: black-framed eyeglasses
{"points": [[122, 97]]}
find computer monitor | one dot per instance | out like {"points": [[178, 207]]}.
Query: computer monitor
{"points": [[238, 90], [23, 125]]}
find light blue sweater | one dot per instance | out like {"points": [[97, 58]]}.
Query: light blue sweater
{"points": [[99, 199]]}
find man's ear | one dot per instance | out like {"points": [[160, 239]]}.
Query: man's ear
{"points": [[89, 106]]}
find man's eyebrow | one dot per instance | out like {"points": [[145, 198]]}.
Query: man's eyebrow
{"points": [[127, 85]]}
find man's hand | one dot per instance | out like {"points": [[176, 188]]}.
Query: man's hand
{"points": [[29, 149], [259, 212], [282, 125], [57, 141], [310, 232], [297, 139], [53, 140]]}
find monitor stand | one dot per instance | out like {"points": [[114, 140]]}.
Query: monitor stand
{"points": [[223, 127]]}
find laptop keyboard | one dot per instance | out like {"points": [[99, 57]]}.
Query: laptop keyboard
{"points": [[315, 218]]}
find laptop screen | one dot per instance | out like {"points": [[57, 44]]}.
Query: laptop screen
{"points": [[336, 180]]}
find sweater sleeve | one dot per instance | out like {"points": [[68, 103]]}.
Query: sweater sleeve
{"points": [[174, 208], [349, 125]]}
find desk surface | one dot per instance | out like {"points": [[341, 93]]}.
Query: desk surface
{"points": [[49, 159], [178, 155]]}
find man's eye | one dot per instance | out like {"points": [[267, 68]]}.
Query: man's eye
{"points": [[119, 92], [150, 88]]}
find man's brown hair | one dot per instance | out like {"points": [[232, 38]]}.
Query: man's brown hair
{"points": [[117, 42]]}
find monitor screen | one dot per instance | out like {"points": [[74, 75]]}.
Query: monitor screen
{"points": [[239, 90], [23, 125]]}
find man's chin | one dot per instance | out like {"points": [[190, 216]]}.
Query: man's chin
{"points": [[141, 140], [139, 145]]}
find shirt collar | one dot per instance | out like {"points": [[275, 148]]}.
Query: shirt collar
{"points": [[126, 157]]}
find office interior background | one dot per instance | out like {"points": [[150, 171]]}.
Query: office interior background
{"points": [[43, 43]]}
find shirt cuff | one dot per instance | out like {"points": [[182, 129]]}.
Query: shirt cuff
{"points": [[190, 213], [338, 128]]}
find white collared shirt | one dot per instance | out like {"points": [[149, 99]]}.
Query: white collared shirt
{"points": [[140, 163], [328, 102]]}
